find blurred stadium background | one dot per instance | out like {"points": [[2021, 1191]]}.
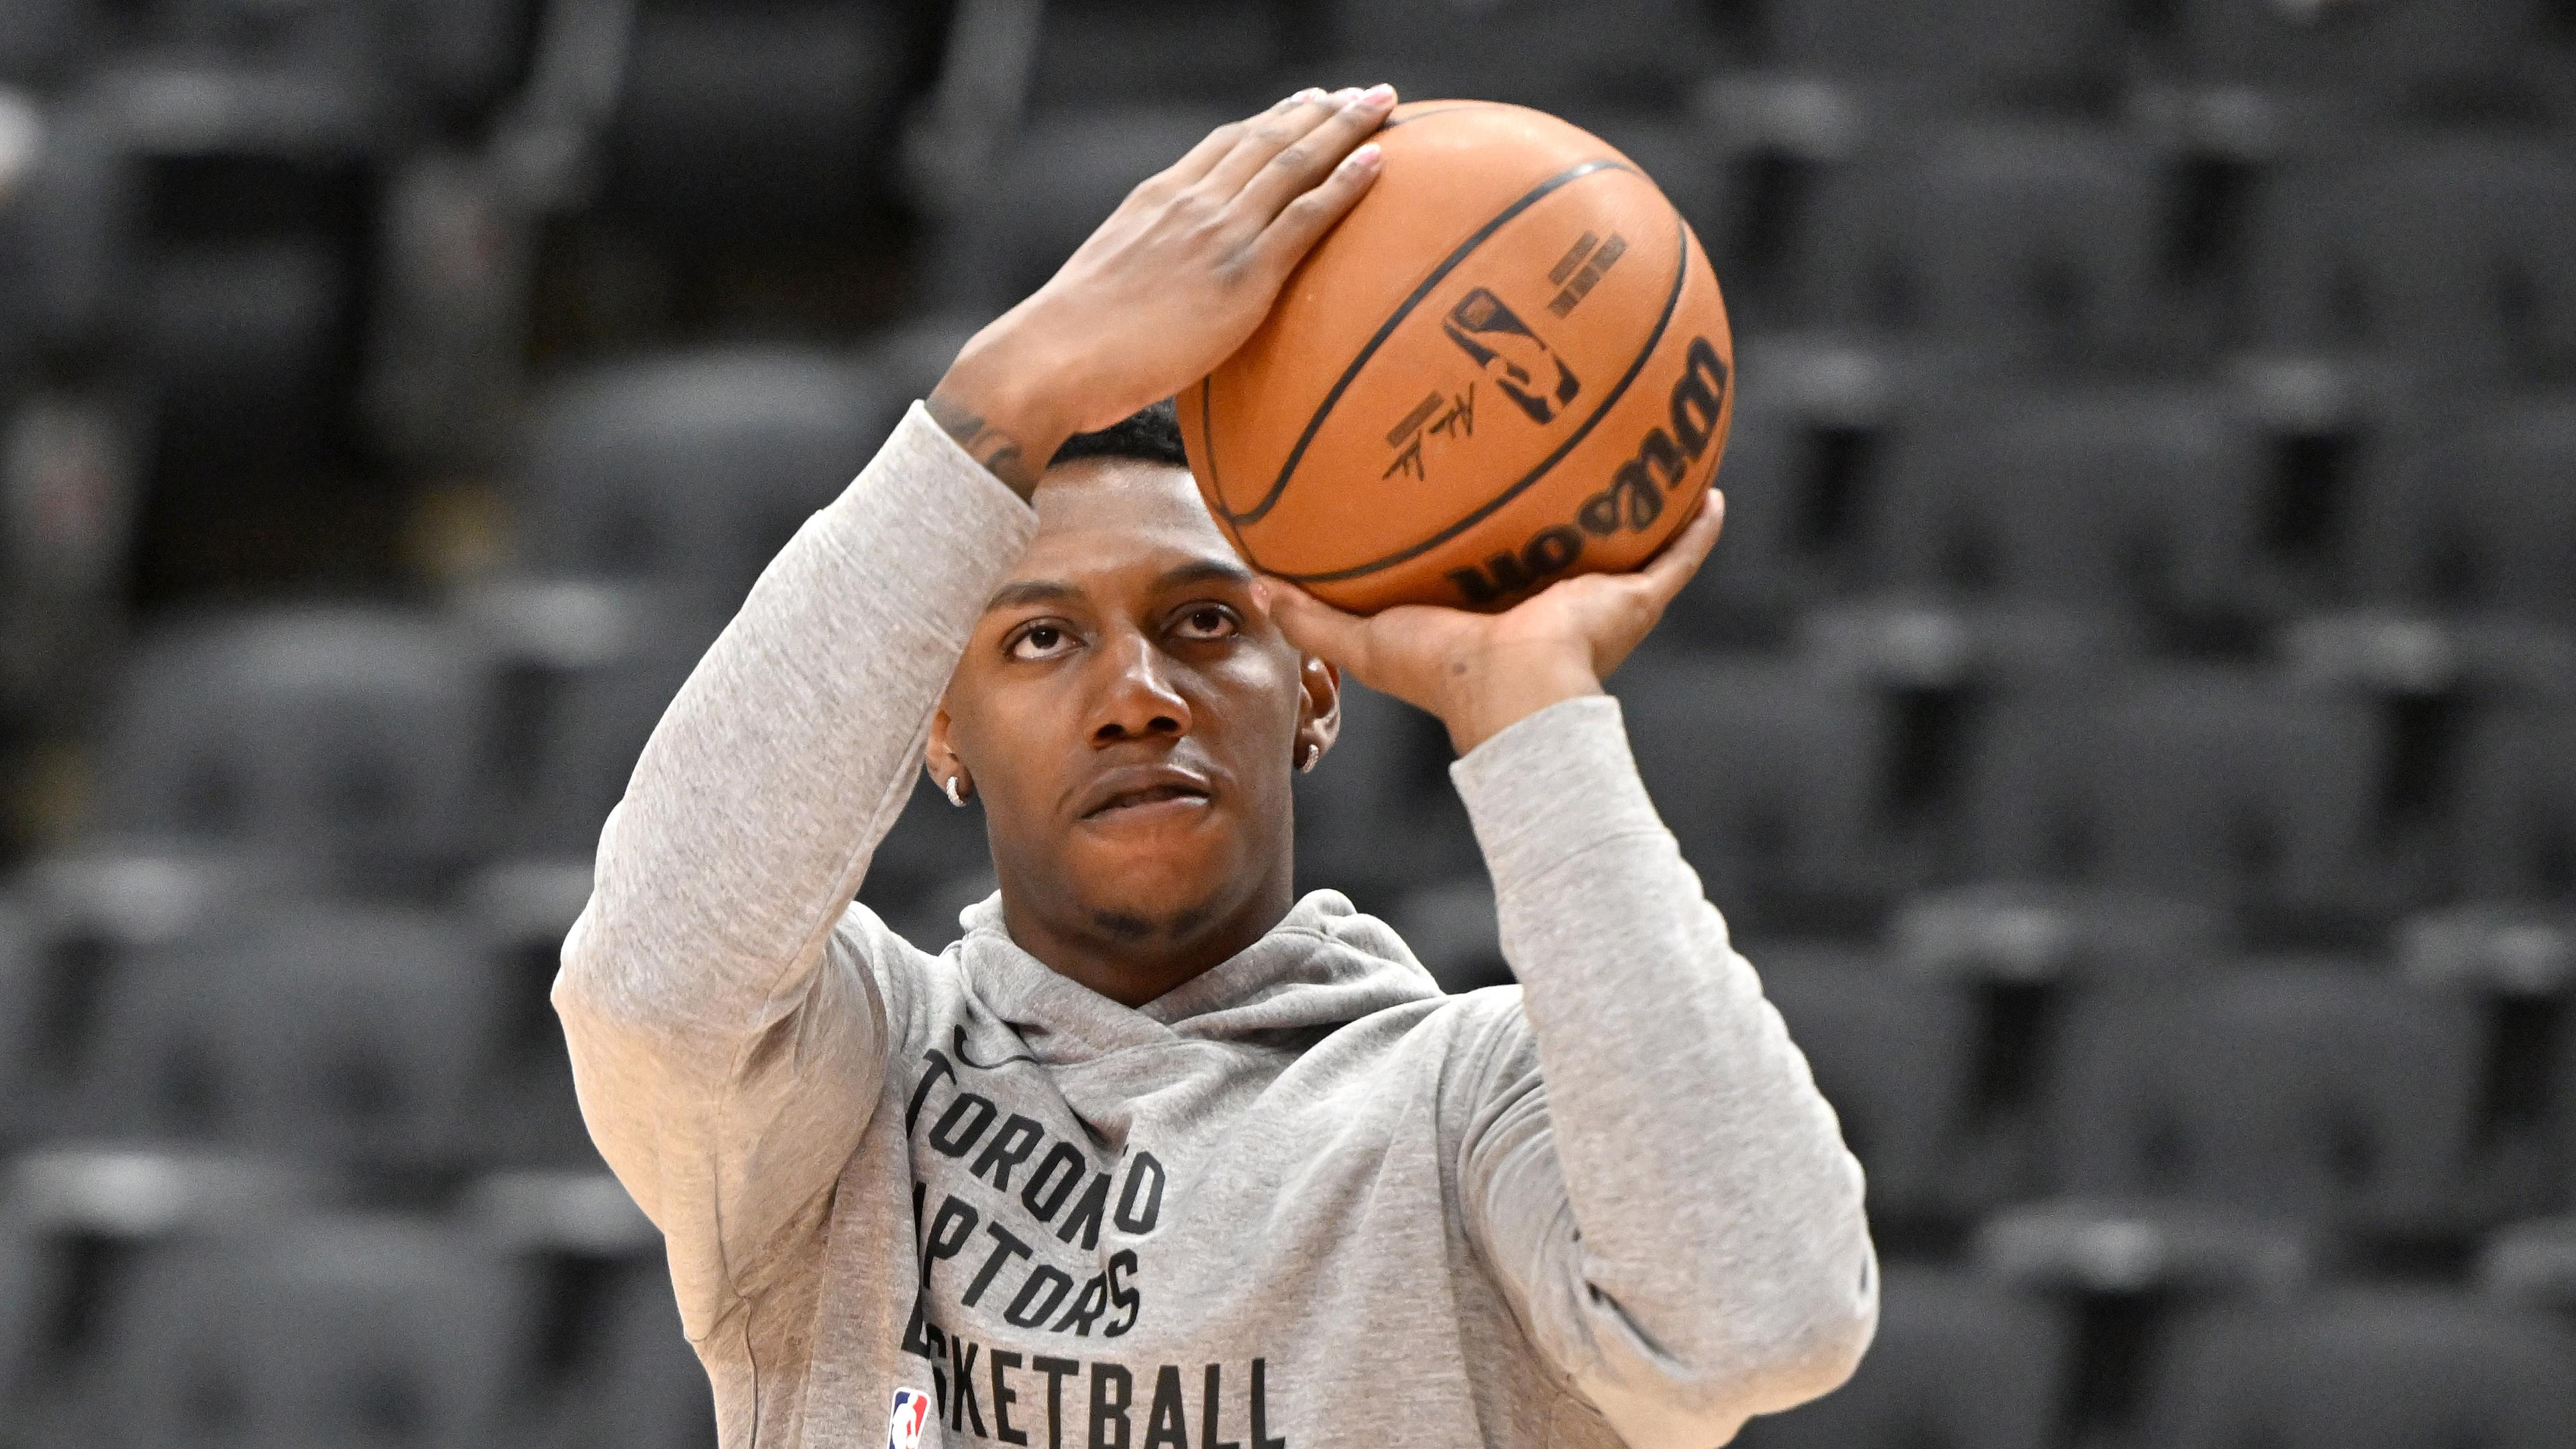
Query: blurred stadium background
{"points": [[2130, 721]]}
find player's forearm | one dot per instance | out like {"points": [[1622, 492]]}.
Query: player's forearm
{"points": [[785, 757], [1718, 1207]]}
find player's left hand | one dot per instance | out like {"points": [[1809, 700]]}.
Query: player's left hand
{"points": [[1481, 672]]}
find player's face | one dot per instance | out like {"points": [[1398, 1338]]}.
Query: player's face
{"points": [[1129, 716]]}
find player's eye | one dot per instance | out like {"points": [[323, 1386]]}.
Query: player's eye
{"points": [[1206, 621], [1038, 639]]}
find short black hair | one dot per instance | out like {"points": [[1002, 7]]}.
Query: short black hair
{"points": [[1152, 435]]}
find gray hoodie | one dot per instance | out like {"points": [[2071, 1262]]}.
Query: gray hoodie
{"points": [[1304, 1200]]}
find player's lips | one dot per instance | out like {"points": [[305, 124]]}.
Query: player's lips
{"points": [[1139, 792]]}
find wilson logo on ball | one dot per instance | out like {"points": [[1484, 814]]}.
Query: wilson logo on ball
{"points": [[1635, 497]]}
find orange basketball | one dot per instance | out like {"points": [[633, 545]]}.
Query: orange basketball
{"points": [[1508, 363]]}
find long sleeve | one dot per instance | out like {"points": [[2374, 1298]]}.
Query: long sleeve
{"points": [[1649, 1170], [721, 998]]}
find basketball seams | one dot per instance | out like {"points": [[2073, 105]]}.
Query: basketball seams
{"points": [[1636, 367], [1386, 330]]}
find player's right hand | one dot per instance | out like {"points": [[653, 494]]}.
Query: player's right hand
{"points": [[1169, 286]]}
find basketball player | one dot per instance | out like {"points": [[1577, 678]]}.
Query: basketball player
{"points": [[1162, 1154]]}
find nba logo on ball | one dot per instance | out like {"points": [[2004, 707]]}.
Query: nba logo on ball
{"points": [[904, 1425]]}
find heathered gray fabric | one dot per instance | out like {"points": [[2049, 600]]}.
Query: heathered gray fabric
{"points": [[1304, 1200]]}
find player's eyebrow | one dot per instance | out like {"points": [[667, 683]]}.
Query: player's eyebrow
{"points": [[1201, 571], [1030, 591]]}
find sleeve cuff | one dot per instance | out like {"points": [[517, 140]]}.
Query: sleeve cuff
{"points": [[957, 520], [1552, 785]]}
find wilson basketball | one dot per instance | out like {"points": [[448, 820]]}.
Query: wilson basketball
{"points": [[1508, 363]]}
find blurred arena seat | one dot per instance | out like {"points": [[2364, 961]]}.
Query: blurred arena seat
{"points": [[2516, 961], [2310, 1094], [2042, 245], [2432, 250], [69, 924], [1953, 54], [2531, 1264], [2514, 826], [2367, 1369], [2211, 782], [1959, 1362], [65, 232], [75, 1226], [2290, 69], [2019, 964], [45, 39], [348, 735], [339, 1033], [693, 469], [738, 122], [2475, 518], [2137, 503], [352, 1330]]}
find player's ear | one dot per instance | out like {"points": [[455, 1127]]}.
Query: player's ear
{"points": [[1319, 705], [939, 752]]}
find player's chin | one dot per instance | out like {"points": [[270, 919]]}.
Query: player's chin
{"points": [[1169, 857]]}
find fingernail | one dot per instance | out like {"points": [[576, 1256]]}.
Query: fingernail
{"points": [[1345, 95], [1365, 156], [1378, 94], [1261, 592], [1310, 93]]}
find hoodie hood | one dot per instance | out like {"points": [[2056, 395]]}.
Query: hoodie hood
{"points": [[1326, 963]]}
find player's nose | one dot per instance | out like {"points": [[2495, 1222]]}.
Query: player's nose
{"points": [[1137, 696]]}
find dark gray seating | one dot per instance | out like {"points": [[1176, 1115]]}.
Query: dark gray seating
{"points": [[2135, 502], [2436, 60], [2315, 1094], [2213, 783], [328, 1031], [322, 1331], [2033, 243], [1955, 53], [2438, 251], [2367, 1369], [2514, 827], [350, 736], [2474, 517], [693, 470], [736, 123]]}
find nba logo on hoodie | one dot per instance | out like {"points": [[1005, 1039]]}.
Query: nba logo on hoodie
{"points": [[911, 1412]]}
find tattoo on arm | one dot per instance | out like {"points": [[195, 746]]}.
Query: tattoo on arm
{"points": [[997, 450]]}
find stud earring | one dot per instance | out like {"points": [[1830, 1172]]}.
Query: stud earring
{"points": [[956, 787], [1306, 759]]}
